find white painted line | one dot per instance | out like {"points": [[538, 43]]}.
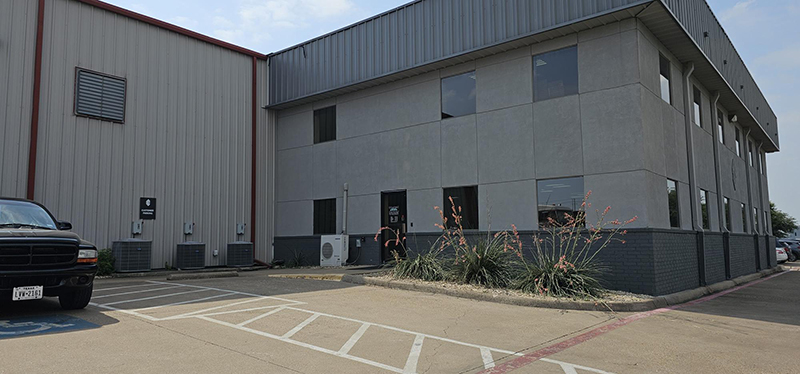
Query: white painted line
{"points": [[125, 311], [240, 310], [119, 288], [305, 345], [413, 356], [222, 290], [133, 292], [185, 302], [353, 339], [152, 297], [251, 320], [299, 327], [197, 312], [566, 366], [486, 355]]}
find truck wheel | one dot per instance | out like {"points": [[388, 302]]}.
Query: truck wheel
{"points": [[77, 299]]}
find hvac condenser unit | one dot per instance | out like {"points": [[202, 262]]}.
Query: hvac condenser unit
{"points": [[240, 254], [190, 255], [333, 250], [132, 255]]}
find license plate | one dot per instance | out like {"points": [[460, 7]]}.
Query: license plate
{"points": [[27, 293]]}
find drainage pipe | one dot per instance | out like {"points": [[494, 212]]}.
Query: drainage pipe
{"points": [[687, 105]]}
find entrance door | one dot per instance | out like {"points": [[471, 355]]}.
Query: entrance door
{"points": [[393, 216]]}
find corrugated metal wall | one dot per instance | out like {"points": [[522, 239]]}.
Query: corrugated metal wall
{"points": [[186, 138], [17, 52], [417, 34], [697, 18], [265, 172]]}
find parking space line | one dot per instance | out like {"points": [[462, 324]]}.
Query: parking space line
{"points": [[251, 320], [354, 339], [134, 292], [299, 327], [223, 290], [199, 312], [282, 306], [131, 312], [185, 302], [572, 368], [152, 297], [413, 356], [304, 345], [120, 287], [488, 360]]}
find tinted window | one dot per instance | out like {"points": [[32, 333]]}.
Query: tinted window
{"points": [[325, 217], [744, 218], [555, 74], [704, 209], [325, 124], [558, 198], [666, 84], [720, 127], [698, 101], [24, 214], [750, 152], [465, 201], [458, 95], [738, 143], [728, 214], [755, 220], [674, 210]]}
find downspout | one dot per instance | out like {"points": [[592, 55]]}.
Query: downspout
{"points": [[687, 104], [344, 209], [37, 83], [718, 174]]}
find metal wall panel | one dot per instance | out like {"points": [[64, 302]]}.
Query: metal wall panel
{"points": [[17, 52], [416, 34], [186, 139], [698, 19]]}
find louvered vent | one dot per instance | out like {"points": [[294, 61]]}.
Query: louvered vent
{"points": [[100, 96]]}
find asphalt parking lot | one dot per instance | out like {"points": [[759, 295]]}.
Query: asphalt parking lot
{"points": [[255, 323]]}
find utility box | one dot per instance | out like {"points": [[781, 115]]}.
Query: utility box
{"points": [[132, 255], [190, 255], [240, 254]]}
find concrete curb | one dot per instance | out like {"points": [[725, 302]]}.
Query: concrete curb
{"points": [[328, 277], [158, 273], [634, 306], [206, 275]]}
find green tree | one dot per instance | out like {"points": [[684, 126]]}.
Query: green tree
{"points": [[782, 223]]}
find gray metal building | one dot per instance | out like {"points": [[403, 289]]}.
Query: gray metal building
{"points": [[517, 108]]}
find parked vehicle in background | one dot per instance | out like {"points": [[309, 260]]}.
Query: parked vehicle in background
{"points": [[39, 257], [781, 253], [794, 246]]}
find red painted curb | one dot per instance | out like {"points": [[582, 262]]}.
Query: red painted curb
{"points": [[571, 342]]}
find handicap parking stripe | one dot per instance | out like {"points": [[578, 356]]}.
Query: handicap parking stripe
{"points": [[27, 326]]}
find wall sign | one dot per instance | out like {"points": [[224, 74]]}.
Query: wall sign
{"points": [[147, 208], [394, 212]]}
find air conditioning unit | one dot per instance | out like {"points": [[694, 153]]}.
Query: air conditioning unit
{"points": [[190, 255], [333, 250], [240, 254], [132, 255]]}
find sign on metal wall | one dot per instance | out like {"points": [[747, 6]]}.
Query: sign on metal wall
{"points": [[147, 208]]}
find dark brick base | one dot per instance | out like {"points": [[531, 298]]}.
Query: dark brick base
{"points": [[651, 261]]}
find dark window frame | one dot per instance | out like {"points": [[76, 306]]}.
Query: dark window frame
{"points": [[325, 216], [552, 210], [665, 69], [744, 217], [325, 124], [697, 107], [567, 92], [728, 224], [756, 225], [738, 142], [721, 127], [750, 153], [469, 214], [674, 220], [474, 107], [705, 209], [78, 69]]}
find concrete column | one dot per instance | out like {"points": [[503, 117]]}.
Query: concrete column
{"points": [[718, 172], [749, 181], [765, 229], [687, 107]]}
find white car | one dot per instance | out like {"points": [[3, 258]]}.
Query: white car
{"points": [[781, 254]]}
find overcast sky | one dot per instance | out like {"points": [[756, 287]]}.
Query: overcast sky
{"points": [[763, 31]]}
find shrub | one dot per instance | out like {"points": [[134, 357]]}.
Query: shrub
{"points": [[488, 263], [105, 262], [564, 261], [298, 259], [424, 266]]}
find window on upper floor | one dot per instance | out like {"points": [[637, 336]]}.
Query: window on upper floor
{"points": [[756, 227], [696, 110], [721, 127], [325, 124], [461, 201], [762, 163], [458, 95], [674, 205], [559, 200], [100, 96], [738, 142], [704, 209], [325, 217], [555, 74], [666, 78], [750, 152]]}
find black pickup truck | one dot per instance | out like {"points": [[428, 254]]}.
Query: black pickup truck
{"points": [[40, 257]]}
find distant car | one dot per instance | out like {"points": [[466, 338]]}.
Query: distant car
{"points": [[781, 253], [40, 257], [793, 244]]}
